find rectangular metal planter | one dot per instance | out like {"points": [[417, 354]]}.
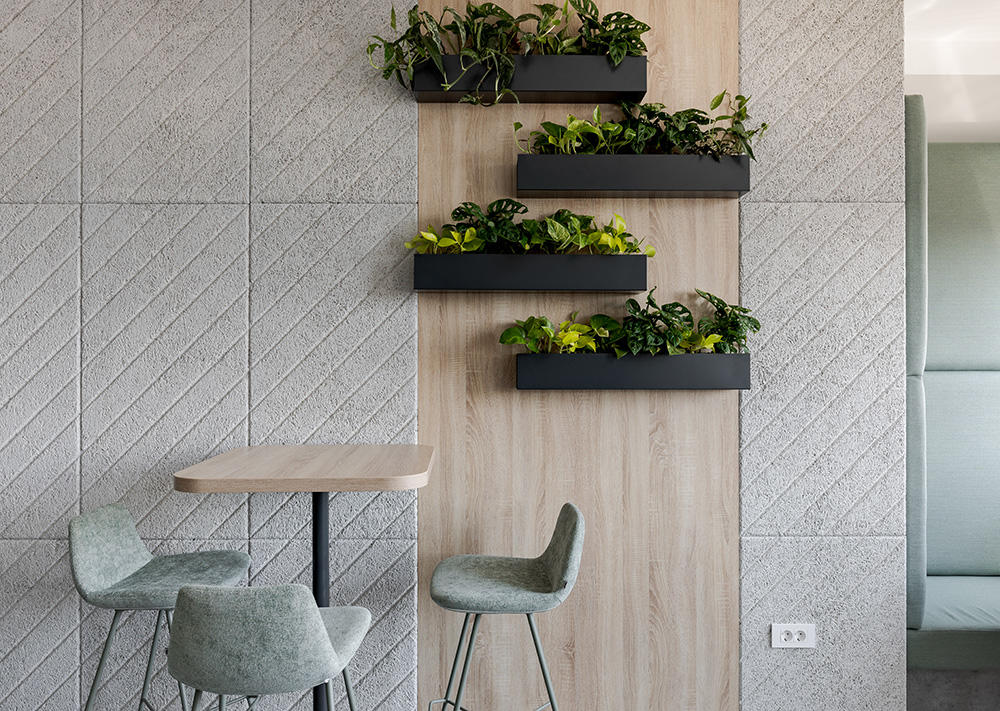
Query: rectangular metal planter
{"points": [[604, 371], [541, 79], [632, 176], [529, 272]]}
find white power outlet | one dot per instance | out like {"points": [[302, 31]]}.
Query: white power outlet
{"points": [[798, 635]]}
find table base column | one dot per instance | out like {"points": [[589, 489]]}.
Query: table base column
{"points": [[320, 568]]}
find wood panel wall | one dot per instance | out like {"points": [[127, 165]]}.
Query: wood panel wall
{"points": [[653, 622]]}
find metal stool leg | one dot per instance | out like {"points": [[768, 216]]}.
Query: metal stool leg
{"points": [[329, 694], [196, 700], [180, 686], [543, 665], [222, 702], [92, 696], [468, 659], [350, 691], [454, 666], [458, 656], [149, 664]]}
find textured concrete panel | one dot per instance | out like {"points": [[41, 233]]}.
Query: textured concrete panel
{"points": [[949, 690], [378, 575], [822, 435], [164, 360], [325, 126], [132, 330], [39, 359], [853, 590], [123, 673], [39, 627], [828, 77], [353, 515], [165, 101], [331, 288], [40, 101]]}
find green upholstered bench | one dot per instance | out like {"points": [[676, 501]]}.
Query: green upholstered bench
{"points": [[953, 400]]}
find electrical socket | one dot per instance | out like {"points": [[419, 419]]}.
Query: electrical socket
{"points": [[796, 635]]}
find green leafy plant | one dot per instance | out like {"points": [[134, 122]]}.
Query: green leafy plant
{"points": [[652, 328], [650, 129], [494, 230], [648, 328], [487, 37], [572, 336], [731, 323], [535, 333], [446, 242], [538, 335]]}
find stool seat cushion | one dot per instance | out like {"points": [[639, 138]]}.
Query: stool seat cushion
{"points": [[494, 585], [154, 586], [347, 627]]}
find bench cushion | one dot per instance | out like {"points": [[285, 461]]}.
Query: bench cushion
{"points": [[961, 628], [963, 472], [963, 253], [962, 602]]}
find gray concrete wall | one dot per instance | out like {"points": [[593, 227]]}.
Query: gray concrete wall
{"points": [[202, 209], [822, 432]]}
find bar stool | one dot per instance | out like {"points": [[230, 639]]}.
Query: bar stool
{"points": [[253, 642], [113, 569], [480, 585]]}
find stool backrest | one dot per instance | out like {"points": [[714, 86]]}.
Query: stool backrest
{"points": [[104, 548], [249, 641], [562, 556]]}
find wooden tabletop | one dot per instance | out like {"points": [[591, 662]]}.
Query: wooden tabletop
{"points": [[312, 467]]}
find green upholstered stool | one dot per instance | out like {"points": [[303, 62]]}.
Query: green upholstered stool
{"points": [[113, 569], [480, 585], [253, 642]]}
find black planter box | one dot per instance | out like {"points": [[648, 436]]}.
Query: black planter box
{"points": [[604, 371], [632, 176], [541, 79], [529, 272]]}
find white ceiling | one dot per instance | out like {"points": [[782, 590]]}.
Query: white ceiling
{"points": [[953, 59]]}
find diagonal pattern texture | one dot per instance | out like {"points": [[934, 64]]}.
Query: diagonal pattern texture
{"points": [[822, 429], [849, 586], [822, 434], [152, 316], [40, 101], [164, 360], [39, 626], [165, 101], [320, 372], [828, 78], [324, 126], [39, 384]]}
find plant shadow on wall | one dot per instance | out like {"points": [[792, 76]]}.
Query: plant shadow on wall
{"points": [[486, 39]]}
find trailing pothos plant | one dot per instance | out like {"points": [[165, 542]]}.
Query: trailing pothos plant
{"points": [[650, 129], [487, 37], [648, 328], [494, 230]]}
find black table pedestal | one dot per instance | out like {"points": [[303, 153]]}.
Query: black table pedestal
{"points": [[321, 568]]}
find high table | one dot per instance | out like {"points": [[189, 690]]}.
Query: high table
{"points": [[318, 469]]}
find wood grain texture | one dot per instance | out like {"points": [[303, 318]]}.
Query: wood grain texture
{"points": [[310, 467], [653, 622]]}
